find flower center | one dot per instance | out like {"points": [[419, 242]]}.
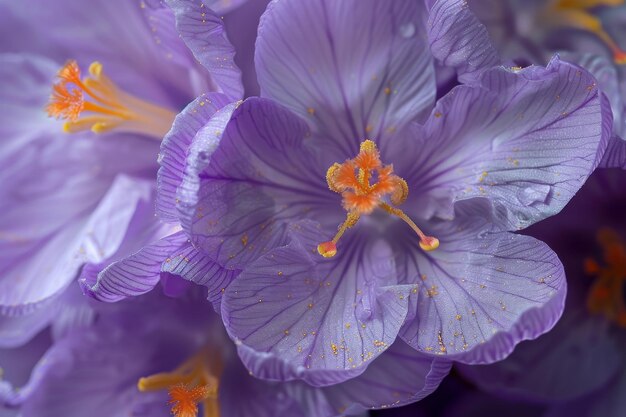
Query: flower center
{"points": [[577, 14], [365, 184], [606, 296], [195, 382], [96, 103]]}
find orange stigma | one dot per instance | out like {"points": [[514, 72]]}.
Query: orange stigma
{"points": [[577, 14], [95, 103], [364, 183], [606, 296], [194, 382]]}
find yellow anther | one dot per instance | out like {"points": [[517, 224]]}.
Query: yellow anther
{"points": [[327, 249], [400, 193]]}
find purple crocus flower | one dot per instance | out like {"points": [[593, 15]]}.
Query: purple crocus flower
{"points": [[578, 368], [83, 198], [176, 346], [589, 33], [331, 149]]}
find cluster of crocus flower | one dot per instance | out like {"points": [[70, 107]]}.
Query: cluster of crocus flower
{"points": [[233, 208]]}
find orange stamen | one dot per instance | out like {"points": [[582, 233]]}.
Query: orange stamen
{"points": [[606, 294], [105, 105], [194, 382], [353, 180], [184, 400]]}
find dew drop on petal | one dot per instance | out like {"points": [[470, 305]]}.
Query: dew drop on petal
{"points": [[534, 194], [407, 30]]}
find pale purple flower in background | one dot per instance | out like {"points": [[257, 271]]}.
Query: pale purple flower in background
{"points": [[88, 197]]}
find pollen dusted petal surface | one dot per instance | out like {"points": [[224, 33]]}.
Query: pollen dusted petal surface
{"points": [[353, 69], [247, 181], [524, 140], [481, 292], [399, 376], [298, 315]]}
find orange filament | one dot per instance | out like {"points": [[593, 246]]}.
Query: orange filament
{"points": [[576, 14], [606, 295], [194, 382], [363, 183], [102, 105]]}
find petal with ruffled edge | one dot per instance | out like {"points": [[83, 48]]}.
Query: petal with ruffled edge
{"points": [[174, 150], [203, 32], [459, 40], [247, 181], [481, 292], [296, 315], [353, 69], [526, 140], [399, 376], [578, 355], [91, 239]]}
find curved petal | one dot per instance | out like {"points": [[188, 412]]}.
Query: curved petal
{"points": [[577, 354], [174, 150], [133, 275], [459, 40], [92, 237], [526, 140], [354, 69], [481, 292], [238, 197], [203, 32], [262, 398], [299, 317], [16, 365], [192, 265], [608, 78], [399, 376], [615, 155]]}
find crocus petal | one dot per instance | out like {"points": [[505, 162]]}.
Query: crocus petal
{"points": [[262, 398], [294, 315], [604, 70], [91, 240], [194, 266], [459, 40], [577, 354], [238, 197], [355, 69], [481, 292], [203, 32], [16, 364], [615, 155], [399, 376], [526, 140], [134, 275], [174, 150]]}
